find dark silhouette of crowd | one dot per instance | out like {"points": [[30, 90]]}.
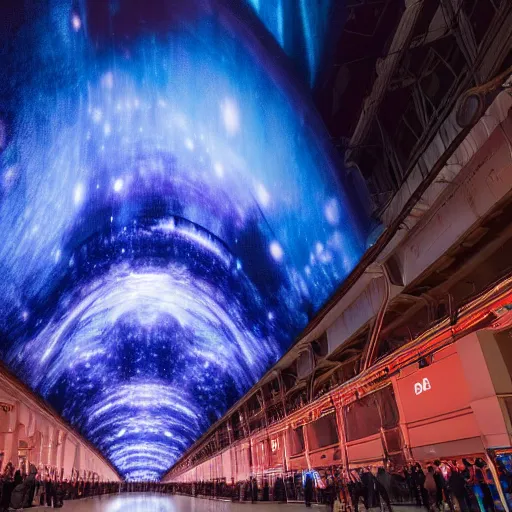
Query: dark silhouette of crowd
{"points": [[20, 490], [461, 485]]}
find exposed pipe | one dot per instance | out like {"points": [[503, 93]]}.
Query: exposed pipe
{"points": [[377, 326]]}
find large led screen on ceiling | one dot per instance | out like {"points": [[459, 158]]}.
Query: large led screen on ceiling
{"points": [[171, 212]]}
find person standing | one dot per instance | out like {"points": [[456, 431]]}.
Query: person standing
{"points": [[7, 487], [458, 487], [308, 490], [443, 492], [356, 489], [58, 495], [48, 491], [383, 485], [254, 490], [266, 491], [430, 485], [416, 484], [330, 493], [483, 479], [370, 496]]}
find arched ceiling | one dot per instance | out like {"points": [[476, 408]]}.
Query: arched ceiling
{"points": [[172, 215]]}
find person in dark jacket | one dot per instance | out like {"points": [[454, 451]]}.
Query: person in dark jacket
{"points": [[443, 492], [383, 486], [308, 490], [266, 491], [356, 490], [7, 487], [330, 493], [48, 491], [17, 478], [236, 490], [415, 484], [254, 490], [481, 478], [410, 483], [33, 483], [23, 492], [371, 496], [279, 490], [58, 495], [458, 487]]}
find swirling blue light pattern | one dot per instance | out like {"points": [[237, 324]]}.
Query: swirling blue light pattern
{"points": [[171, 213], [300, 27]]}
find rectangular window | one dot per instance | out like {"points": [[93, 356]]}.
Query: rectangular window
{"points": [[297, 441], [386, 402], [323, 432], [365, 417]]}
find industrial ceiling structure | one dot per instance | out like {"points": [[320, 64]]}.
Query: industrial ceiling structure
{"points": [[193, 193]]}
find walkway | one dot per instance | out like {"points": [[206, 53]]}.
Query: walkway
{"points": [[148, 502]]}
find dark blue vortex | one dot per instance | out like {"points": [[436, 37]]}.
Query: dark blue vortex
{"points": [[171, 215]]}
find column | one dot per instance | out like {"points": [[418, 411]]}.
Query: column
{"points": [[340, 422], [306, 444], [487, 359], [406, 449]]}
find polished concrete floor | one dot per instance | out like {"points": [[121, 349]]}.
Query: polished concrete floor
{"points": [[148, 502]]}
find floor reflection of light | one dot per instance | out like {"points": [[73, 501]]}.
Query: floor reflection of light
{"points": [[140, 503]]}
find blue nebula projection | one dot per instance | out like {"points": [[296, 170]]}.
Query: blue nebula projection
{"points": [[300, 27], [171, 216]]}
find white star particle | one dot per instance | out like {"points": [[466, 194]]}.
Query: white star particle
{"points": [[219, 169], [78, 194], [276, 251], [230, 116], [332, 212], [76, 22], [118, 185], [262, 195]]}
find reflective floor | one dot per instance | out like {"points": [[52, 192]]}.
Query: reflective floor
{"points": [[148, 502]]}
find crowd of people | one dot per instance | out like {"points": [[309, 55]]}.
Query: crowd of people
{"points": [[467, 486], [20, 490], [462, 485]]}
